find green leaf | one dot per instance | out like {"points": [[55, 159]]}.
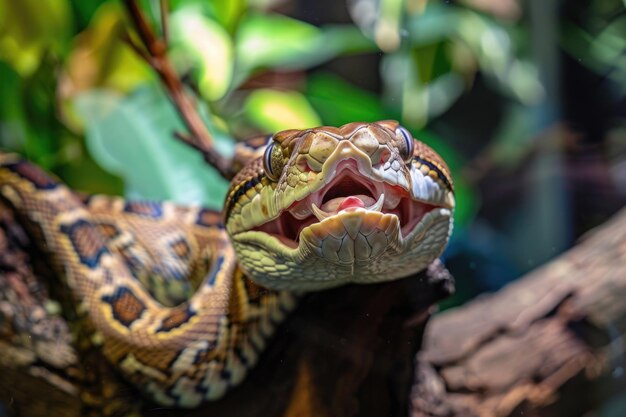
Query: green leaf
{"points": [[227, 13], [275, 41], [338, 102], [489, 42], [209, 47], [263, 40], [32, 28], [420, 100], [602, 53], [13, 126], [132, 137], [83, 11], [101, 59], [273, 111]]}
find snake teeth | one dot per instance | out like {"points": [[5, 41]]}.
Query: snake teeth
{"points": [[319, 213], [322, 215], [377, 206]]}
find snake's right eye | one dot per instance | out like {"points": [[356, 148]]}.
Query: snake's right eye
{"points": [[406, 144], [273, 162]]}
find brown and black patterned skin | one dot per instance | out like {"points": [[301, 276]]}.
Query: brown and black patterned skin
{"points": [[179, 302]]}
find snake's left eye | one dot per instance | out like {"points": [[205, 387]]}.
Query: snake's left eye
{"points": [[273, 162], [405, 143]]}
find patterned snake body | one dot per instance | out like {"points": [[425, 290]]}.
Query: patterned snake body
{"points": [[183, 304]]}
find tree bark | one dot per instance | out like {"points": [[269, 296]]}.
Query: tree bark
{"points": [[549, 344]]}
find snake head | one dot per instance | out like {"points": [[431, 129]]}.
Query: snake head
{"points": [[365, 202]]}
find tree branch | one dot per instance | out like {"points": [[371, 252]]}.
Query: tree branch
{"points": [[156, 56], [549, 344]]}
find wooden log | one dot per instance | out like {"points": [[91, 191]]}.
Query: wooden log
{"points": [[549, 344]]}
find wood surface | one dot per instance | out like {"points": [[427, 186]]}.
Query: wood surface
{"points": [[549, 344]]}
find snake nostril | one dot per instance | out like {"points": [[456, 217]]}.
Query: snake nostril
{"points": [[303, 166], [384, 156]]}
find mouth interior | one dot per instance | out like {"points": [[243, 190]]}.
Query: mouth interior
{"points": [[348, 191], [345, 188]]}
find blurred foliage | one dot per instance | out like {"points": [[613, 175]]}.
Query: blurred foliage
{"points": [[273, 110], [599, 42], [76, 99], [72, 76], [122, 132]]}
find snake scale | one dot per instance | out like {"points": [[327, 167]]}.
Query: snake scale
{"points": [[182, 300]]}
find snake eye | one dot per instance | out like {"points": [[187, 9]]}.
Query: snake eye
{"points": [[273, 160], [406, 144]]}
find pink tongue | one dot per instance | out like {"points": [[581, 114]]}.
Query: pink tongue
{"points": [[341, 203], [350, 202]]}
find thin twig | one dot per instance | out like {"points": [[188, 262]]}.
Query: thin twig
{"points": [[165, 26], [138, 49], [199, 136], [183, 137]]}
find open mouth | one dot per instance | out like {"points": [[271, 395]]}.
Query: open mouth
{"points": [[349, 191]]}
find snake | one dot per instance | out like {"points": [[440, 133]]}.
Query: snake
{"points": [[182, 300]]}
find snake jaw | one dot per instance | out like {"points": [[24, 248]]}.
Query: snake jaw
{"points": [[352, 237], [357, 246]]}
